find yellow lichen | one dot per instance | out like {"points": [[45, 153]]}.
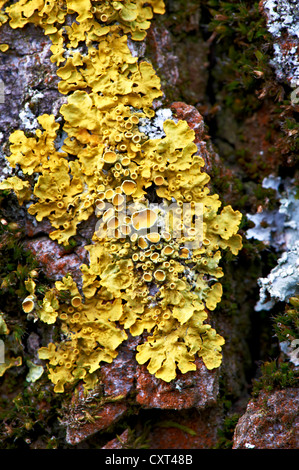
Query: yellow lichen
{"points": [[28, 303], [92, 337], [21, 188], [152, 267], [6, 361], [10, 362]]}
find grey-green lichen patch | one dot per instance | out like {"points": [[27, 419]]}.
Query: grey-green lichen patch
{"points": [[279, 230], [291, 349], [35, 372], [282, 282], [153, 128], [269, 225], [283, 24]]}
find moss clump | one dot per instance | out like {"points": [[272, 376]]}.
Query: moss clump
{"points": [[282, 373], [239, 26], [275, 376], [244, 88], [226, 432], [29, 418], [286, 325]]}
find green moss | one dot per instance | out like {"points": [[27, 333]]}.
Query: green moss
{"points": [[286, 325], [275, 376], [173, 424], [30, 418], [281, 373], [226, 432], [15, 262], [239, 26], [245, 84], [135, 440], [21, 416]]}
